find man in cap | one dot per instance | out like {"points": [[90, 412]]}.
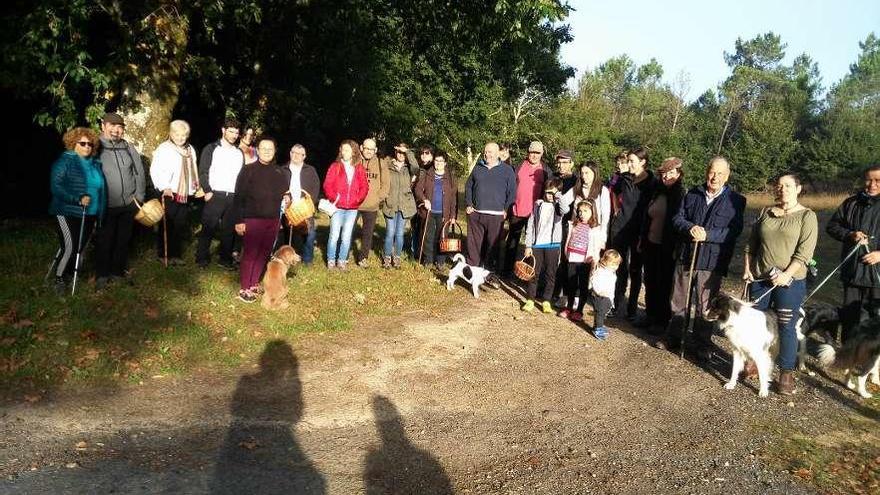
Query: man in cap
{"points": [[530, 177], [125, 180], [564, 170]]}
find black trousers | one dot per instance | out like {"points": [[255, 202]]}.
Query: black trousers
{"points": [[577, 282], [601, 306], [483, 234], [67, 228], [659, 267], [630, 270], [546, 263], [177, 218], [434, 228], [368, 226], [516, 225], [113, 241], [859, 303], [217, 219]]}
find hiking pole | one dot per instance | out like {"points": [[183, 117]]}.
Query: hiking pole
{"points": [[79, 243], [688, 318], [424, 232], [164, 232]]}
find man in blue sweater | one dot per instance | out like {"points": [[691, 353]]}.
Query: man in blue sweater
{"points": [[711, 216], [488, 193]]}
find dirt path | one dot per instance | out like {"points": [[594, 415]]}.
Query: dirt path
{"points": [[480, 400]]}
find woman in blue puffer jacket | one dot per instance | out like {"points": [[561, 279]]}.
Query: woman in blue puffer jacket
{"points": [[78, 194]]}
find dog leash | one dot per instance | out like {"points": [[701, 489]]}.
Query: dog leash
{"points": [[828, 277]]}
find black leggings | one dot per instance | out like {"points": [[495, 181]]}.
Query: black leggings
{"points": [[67, 229], [577, 282]]}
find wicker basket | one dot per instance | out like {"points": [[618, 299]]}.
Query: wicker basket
{"points": [[300, 211], [523, 270], [149, 213], [449, 241]]}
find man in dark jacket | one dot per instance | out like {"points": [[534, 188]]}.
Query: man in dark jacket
{"points": [[488, 193], [857, 222], [219, 165], [711, 216], [125, 180], [303, 178]]}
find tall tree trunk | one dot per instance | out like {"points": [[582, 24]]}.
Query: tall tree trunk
{"points": [[724, 131], [148, 112]]}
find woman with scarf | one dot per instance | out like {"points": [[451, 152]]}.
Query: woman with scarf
{"points": [[176, 176]]}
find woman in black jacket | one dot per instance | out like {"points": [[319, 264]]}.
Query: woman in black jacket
{"points": [[657, 245]]}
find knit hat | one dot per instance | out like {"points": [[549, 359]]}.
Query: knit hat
{"points": [[536, 146]]}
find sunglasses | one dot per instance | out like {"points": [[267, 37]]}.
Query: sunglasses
{"points": [[86, 143]]}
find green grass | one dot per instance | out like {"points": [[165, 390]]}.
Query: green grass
{"points": [[174, 320]]}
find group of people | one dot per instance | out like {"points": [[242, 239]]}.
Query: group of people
{"points": [[588, 240]]}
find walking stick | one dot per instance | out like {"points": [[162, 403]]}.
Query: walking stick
{"points": [[79, 243], [165, 232], [53, 265], [688, 318], [424, 231], [289, 234]]}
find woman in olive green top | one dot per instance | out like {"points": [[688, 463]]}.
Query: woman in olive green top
{"points": [[781, 244]]}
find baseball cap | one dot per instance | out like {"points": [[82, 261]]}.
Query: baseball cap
{"points": [[113, 118]]}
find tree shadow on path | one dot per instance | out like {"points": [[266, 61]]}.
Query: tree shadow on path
{"points": [[397, 466], [261, 454]]}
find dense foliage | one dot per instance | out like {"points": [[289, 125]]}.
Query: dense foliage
{"points": [[452, 74]]}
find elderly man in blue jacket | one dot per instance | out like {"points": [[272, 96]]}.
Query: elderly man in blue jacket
{"points": [[710, 219]]}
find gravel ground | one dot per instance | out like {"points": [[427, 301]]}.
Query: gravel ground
{"points": [[483, 399]]}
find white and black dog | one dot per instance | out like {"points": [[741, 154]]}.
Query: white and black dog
{"points": [[474, 275], [754, 335], [818, 318], [859, 357]]}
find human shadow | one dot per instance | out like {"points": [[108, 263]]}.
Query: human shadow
{"points": [[260, 453], [397, 466]]}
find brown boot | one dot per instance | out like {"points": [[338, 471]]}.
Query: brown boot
{"points": [[750, 370], [785, 385]]}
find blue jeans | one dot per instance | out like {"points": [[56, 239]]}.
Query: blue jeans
{"points": [[308, 247], [786, 301], [341, 226], [394, 227]]}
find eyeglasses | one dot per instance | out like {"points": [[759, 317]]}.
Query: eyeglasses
{"points": [[86, 143], [369, 149], [439, 161]]}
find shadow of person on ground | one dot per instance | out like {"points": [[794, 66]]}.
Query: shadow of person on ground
{"points": [[261, 454], [397, 466]]}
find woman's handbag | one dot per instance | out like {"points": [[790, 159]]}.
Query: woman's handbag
{"points": [[449, 241], [327, 207]]}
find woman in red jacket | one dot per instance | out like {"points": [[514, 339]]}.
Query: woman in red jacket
{"points": [[346, 186]]}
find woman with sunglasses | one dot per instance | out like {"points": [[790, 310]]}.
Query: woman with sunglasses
{"points": [[77, 185]]}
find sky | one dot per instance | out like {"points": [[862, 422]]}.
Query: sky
{"points": [[692, 35]]}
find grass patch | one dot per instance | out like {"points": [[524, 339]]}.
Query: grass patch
{"points": [[173, 320], [842, 459]]}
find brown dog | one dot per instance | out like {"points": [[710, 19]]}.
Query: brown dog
{"points": [[275, 278]]}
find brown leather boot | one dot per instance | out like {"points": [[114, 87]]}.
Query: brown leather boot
{"points": [[785, 385], [750, 370]]}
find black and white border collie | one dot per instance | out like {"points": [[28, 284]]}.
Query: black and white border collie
{"points": [[752, 333], [859, 357]]}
